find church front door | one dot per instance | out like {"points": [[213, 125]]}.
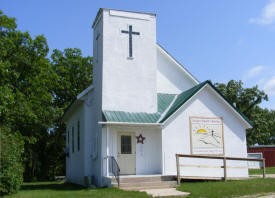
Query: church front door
{"points": [[126, 156]]}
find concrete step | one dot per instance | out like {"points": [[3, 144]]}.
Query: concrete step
{"points": [[165, 192], [146, 185], [137, 179]]}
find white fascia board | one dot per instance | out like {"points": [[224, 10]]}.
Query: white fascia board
{"points": [[84, 92], [230, 107], [71, 109], [218, 95], [78, 100], [130, 124], [178, 64], [183, 105]]}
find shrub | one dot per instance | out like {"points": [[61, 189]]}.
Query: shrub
{"points": [[12, 147]]}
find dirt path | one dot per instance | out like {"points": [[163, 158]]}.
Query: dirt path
{"points": [[268, 196], [265, 195], [259, 176]]}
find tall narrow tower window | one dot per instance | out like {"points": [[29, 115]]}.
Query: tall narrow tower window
{"points": [[97, 54], [72, 139], [78, 135], [68, 133]]}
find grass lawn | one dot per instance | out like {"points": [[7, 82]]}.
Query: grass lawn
{"points": [[65, 190], [199, 189], [268, 170], [218, 189]]}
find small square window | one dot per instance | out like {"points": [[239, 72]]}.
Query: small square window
{"points": [[126, 144]]}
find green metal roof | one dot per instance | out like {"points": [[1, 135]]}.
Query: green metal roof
{"points": [[185, 96], [181, 99], [164, 100]]}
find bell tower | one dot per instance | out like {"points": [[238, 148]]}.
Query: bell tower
{"points": [[125, 61]]}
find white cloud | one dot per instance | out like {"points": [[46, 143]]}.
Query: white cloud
{"points": [[254, 71], [269, 86], [264, 77], [267, 16]]}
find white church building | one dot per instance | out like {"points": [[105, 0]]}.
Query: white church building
{"points": [[144, 107]]}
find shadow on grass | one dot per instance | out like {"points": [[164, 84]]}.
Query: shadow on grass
{"points": [[200, 181], [51, 186]]}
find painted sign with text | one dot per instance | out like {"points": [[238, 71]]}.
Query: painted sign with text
{"points": [[206, 135]]}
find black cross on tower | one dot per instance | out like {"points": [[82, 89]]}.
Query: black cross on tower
{"points": [[130, 32]]}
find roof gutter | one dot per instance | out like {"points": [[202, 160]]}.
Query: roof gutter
{"points": [[131, 123]]}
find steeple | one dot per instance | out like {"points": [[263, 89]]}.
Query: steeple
{"points": [[125, 61]]}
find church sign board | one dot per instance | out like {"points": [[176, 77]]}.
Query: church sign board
{"points": [[206, 135]]}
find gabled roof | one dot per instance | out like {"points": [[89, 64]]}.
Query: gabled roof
{"points": [[168, 104], [181, 99], [185, 96]]}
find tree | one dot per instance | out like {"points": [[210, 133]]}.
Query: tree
{"points": [[247, 100], [11, 145], [26, 84], [74, 75], [263, 131], [34, 92], [12, 148]]}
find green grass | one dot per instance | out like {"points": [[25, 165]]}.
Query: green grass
{"points": [[199, 189], [268, 170], [65, 190], [222, 189]]}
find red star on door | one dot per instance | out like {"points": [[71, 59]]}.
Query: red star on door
{"points": [[140, 139]]}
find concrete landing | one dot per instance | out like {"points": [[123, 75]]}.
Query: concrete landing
{"points": [[142, 182], [165, 192]]}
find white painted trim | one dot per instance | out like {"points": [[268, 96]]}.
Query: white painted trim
{"points": [[183, 105], [147, 13], [178, 64], [107, 150], [71, 109], [249, 126], [78, 100], [84, 92], [130, 123]]}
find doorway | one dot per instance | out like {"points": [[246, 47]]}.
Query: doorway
{"points": [[126, 156]]}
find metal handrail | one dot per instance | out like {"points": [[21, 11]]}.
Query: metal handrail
{"points": [[114, 168]]}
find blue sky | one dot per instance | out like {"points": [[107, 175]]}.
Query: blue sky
{"points": [[215, 39]]}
